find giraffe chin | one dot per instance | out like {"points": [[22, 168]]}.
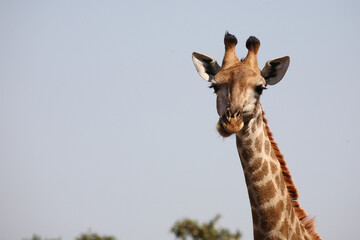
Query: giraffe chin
{"points": [[227, 129]]}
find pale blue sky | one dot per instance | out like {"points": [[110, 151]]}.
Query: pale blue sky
{"points": [[105, 123]]}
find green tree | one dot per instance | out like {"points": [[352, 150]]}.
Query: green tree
{"points": [[37, 237], [94, 236], [188, 228], [84, 236]]}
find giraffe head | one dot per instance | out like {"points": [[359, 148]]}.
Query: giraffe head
{"points": [[238, 84]]}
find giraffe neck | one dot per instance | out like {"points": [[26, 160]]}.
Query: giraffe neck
{"points": [[272, 205]]}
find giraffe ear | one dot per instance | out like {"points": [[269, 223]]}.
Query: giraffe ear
{"points": [[274, 70], [206, 66]]}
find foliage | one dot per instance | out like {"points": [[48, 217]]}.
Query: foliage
{"points": [[37, 237], [206, 231], [183, 229], [94, 236], [83, 236]]}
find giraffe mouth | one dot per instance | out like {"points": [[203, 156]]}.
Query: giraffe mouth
{"points": [[228, 125]]}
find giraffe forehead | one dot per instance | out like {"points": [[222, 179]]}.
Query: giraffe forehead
{"points": [[240, 75]]}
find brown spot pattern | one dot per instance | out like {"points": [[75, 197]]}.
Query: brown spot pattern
{"points": [[270, 216], [247, 153], [267, 147], [256, 164], [258, 143], [291, 189], [274, 167], [259, 175], [266, 192], [284, 229], [248, 143]]}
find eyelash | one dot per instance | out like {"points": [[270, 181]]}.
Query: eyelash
{"points": [[259, 89], [215, 87]]}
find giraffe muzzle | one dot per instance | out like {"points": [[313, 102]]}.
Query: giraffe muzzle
{"points": [[230, 123]]}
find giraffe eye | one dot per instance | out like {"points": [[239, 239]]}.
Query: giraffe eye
{"points": [[259, 89], [215, 87]]}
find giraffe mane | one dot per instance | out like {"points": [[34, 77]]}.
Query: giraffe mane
{"points": [[307, 221]]}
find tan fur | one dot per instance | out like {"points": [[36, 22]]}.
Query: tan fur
{"points": [[306, 221], [273, 196]]}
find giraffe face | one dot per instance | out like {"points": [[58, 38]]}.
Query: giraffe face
{"points": [[238, 84], [237, 91]]}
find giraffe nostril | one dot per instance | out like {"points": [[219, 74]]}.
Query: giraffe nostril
{"points": [[228, 113]]}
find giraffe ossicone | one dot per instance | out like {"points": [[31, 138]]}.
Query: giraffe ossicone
{"points": [[238, 85]]}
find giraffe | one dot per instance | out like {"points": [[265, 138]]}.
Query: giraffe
{"points": [[238, 84]]}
